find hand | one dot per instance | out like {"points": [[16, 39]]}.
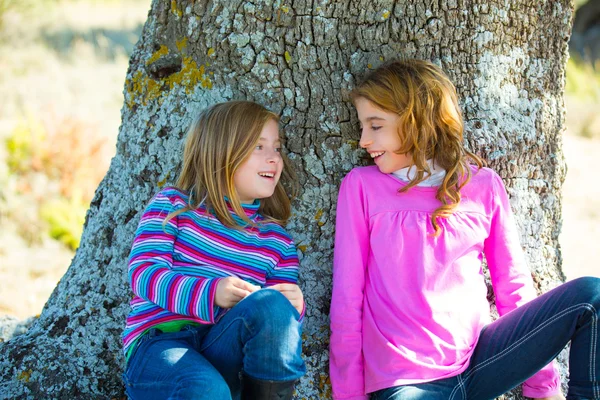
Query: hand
{"points": [[555, 397], [293, 293], [231, 290]]}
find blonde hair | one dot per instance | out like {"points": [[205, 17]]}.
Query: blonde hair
{"points": [[217, 143], [430, 124]]}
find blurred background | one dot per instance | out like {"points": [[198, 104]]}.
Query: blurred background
{"points": [[62, 70]]}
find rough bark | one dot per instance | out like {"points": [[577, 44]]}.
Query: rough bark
{"points": [[299, 58]]}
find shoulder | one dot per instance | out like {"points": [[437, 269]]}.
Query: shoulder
{"points": [[167, 200], [177, 197], [485, 187], [359, 173], [360, 176], [484, 178]]}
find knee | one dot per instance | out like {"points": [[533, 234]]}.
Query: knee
{"points": [[589, 288], [270, 308]]}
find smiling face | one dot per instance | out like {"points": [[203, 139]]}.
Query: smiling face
{"points": [[258, 175], [379, 136]]}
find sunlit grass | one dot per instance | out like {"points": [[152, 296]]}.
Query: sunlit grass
{"points": [[583, 81], [57, 164]]}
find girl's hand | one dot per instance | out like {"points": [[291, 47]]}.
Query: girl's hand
{"points": [[231, 290], [293, 293]]}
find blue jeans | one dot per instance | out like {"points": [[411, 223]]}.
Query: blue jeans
{"points": [[517, 345], [260, 335]]}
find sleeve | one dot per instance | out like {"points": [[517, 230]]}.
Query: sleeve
{"points": [[346, 363], [286, 271], [150, 270], [511, 279]]}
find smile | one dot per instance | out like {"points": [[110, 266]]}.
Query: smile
{"points": [[377, 154]]}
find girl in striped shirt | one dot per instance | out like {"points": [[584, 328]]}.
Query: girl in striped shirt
{"points": [[200, 249]]}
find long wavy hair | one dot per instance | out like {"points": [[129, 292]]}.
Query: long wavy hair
{"points": [[217, 143], [430, 126]]}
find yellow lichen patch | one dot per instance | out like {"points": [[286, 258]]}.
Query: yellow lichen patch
{"points": [[319, 214], [25, 375], [210, 52], [162, 183], [181, 44], [288, 57], [189, 76], [143, 88], [325, 384], [386, 14], [352, 143], [163, 51], [285, 8], [369, 66], [302, 247], [380, 58], [175, 10]]}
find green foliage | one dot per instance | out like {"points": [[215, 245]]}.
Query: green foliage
{"points": [[23, 147], [583, 81], [65, 218], [57, 165]]}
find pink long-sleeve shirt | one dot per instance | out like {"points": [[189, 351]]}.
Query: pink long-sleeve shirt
{"points": [[408, 307]]}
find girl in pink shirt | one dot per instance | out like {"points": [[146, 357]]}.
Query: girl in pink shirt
{"points": [[409, 313]]}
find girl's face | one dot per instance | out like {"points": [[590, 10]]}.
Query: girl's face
{"points": [[379, 136], [258, 175]]}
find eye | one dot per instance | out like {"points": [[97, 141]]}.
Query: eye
{"points": [[375, 128], [258, 147], [278, 149]]}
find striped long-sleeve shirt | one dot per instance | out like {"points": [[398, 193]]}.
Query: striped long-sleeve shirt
{"points": [[174, 270]]}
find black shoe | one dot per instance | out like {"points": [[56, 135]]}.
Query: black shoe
{"points": [[256, 389]]}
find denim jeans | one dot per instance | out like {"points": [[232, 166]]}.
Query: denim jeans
{"points": [[517, 345], [260, 335]]}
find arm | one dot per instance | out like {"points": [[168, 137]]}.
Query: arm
{"points": [[512, 281], [346, 363], [284, 278], [150, 267]]}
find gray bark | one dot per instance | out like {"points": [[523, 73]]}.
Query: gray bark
{"points": [[299, 58]]}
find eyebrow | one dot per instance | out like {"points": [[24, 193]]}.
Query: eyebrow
{"points": [[263, 139], [374, 118]]}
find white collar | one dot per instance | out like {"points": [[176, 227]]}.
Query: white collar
{"points": [[435, 179]]}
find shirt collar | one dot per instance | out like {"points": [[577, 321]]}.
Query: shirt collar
{"points": [[435, 179]]}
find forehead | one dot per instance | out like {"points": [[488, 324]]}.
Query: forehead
{"points": [[270, 131], [368, 111]]}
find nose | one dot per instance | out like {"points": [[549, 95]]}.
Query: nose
{"points": [[273, 156], [365, 139]]}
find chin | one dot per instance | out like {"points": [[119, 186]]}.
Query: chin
{"points": [[384, 170]]}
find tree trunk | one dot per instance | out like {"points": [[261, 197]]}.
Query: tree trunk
{"points": [[299, 58]]}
